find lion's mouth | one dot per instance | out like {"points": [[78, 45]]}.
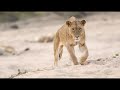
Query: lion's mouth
{"points": [[77, 40]]}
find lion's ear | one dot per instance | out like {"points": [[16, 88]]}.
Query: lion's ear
{"points": [[83, 22], [68, 23]]}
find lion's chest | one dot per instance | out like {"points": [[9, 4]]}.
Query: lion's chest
{"points": [[74, 42]]}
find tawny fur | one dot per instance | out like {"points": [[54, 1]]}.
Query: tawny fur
{"points": [[72, 33]]}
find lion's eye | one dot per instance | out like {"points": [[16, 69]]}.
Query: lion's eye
{"points": [[79, 28], [72, 29]]}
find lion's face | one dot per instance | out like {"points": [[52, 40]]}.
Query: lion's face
{"points": [[76, 28]]}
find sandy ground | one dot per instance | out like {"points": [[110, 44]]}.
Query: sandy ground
{"points": [[102, 38]]}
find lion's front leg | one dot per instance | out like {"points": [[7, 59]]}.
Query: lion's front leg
{"points": [[84, 50], [72, 54]]}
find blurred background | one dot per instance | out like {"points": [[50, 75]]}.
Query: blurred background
{"points": [[15, 20], [35, 31], [13, 17], [21, 19], [16, 16]]}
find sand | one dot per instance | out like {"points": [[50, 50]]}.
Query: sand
{"points": [[102, 39]]}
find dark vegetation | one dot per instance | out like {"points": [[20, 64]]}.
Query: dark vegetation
{"points": [[15, 16]]}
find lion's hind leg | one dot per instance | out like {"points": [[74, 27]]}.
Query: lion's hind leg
{"points": [[60, 51], [56, 46]]}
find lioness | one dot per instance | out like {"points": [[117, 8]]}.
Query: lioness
{"points": [[70, 34]]}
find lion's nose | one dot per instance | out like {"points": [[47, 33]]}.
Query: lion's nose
{"points": [[77, 37]]}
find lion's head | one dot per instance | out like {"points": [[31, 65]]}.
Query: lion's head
{"points": [[76, 28]]}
